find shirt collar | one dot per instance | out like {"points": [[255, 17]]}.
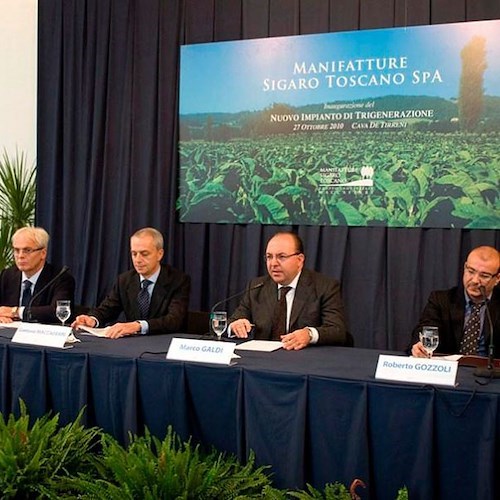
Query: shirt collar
{"points": [[33, 279], [469, 302], [293, 283], [153, 278]]}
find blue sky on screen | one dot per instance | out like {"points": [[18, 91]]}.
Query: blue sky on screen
{"points": [[245, 75]]}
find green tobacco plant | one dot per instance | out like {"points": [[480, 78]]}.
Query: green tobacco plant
{"points": [[35, 459], [17, 200], [420, 179], [152, 469]]}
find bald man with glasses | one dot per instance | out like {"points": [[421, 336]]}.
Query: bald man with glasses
{"points": [[453, 310], [20, 283], [312, 307]]}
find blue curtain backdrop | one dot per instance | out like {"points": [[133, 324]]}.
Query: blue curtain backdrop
{"points": [[107, 154]]}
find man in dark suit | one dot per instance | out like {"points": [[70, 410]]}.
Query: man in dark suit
{"points": [[153, 297], [314, 306], [20, 283], [451, 309]]}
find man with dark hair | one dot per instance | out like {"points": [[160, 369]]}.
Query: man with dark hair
{"points": [[153, 297], [455, 311], [20, 283], [293, 304]]}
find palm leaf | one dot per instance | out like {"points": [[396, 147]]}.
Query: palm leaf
{"points": [[17, 200]]}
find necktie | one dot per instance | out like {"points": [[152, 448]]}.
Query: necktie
{"points": [[279, 319], [143, 299], [25, 299], [472, 331]]}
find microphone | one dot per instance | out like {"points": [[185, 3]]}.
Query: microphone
{"points": [[227, 299], [29, 318], [490, 371], [231, 297]]}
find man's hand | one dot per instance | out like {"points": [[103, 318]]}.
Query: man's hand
{"points": [[6, 319], [84, 320], [8, 312], [241, 328], [296, 340], [418, 351], [122, 329]]}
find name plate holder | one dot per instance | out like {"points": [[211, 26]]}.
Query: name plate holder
{"points": [[43, 335], [432, 371], [201, 351]]}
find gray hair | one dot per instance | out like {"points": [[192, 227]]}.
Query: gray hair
{"points": [[154, 233], [37, 234]]}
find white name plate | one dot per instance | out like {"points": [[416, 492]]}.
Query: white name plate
{"points": [[38, 334], [421, 370], [201, 351]]}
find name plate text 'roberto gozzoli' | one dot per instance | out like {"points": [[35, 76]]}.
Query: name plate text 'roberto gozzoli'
{"points": [[433, 371]]}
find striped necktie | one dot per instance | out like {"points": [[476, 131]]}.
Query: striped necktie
{"points": [[143, 298]]}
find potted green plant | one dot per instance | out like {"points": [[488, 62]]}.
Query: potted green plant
{"points": [[17, 200]]}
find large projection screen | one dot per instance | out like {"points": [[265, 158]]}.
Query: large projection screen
{"points": [[395, 127]]}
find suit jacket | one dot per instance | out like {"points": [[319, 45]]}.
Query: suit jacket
{"points": [[446, 310], [317, 303], [43, 309], [169, 301]]}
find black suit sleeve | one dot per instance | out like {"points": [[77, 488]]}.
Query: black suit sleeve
{"points": [[317, 303], [170, 313], [444, 309], [169, 301], [43, 309], [432, 315]]}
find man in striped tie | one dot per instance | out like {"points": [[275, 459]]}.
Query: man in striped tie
{"points": [[460, 312]]}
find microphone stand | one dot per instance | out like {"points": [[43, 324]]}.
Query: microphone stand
{"points": [[29, 317], [227, 299], [490, 371]]}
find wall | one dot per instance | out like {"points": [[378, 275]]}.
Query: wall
{"points": [[18, 46]]}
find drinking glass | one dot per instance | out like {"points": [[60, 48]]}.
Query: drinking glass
{"points": [[63, 310], [429, 336], [219, 322]]}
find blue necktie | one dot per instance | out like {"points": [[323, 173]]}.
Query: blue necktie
{"points": [[143, 299], [25, 299]]}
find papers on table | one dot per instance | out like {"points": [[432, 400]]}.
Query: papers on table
{"points": [[14, 325], [97, 332], [451, 357], [260, 345]]}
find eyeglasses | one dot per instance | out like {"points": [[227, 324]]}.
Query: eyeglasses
{"points": [[482, 276], [26, 251], [281, 257]]}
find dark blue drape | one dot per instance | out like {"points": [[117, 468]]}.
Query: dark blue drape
{"points": [[315, 416], [107, 154]]}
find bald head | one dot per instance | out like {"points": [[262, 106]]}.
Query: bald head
{"points": [[481, 269]]}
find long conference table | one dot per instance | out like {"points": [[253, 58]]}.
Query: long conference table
{"points": [[315, 416]]}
